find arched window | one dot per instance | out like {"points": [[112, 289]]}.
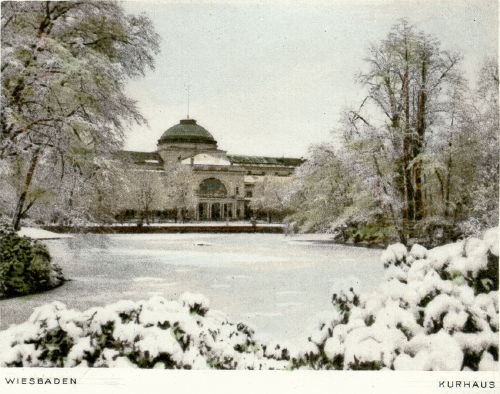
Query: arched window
{"points": [[212, 187]]}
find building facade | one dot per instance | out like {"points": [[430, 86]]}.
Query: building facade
{"points": [[224, 184]]}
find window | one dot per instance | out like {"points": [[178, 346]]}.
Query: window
{"points": [[212, 187], [248, 193]]}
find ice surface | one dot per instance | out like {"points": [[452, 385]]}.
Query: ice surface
{"points": [[262, 270]]}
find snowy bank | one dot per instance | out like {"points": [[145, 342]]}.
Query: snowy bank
{"points": [[436, 310], [38, 233]]}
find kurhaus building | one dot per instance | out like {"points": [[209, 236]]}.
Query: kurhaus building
{"points": [[224, 184]]}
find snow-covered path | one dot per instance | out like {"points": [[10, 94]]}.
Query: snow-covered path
{"points": [[275, 283], [38, 233]]}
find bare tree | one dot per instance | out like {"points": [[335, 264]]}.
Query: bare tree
{"points": [[408, 82], [180, 189], [64, 65], [146, 192], [270, 195]]}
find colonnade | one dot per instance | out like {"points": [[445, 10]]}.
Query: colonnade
{"points": [[216, 210]]}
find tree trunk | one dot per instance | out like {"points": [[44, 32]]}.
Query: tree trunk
{"points": [[441, 190], [146, 213], [400, 230], [408, 195], [418, 145], [16, 222], [449, 165], [419, 199]]}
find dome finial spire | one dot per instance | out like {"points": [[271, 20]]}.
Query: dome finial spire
{"points": [[188, 87]]}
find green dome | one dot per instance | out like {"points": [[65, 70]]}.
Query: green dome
{"points": [[187, 131]]}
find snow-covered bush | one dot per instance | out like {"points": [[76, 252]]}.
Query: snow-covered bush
{"points": [[25, 266], [436, 310], [157, 333]]}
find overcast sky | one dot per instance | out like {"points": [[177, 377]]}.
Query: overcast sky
{"points": [[270, 78]]}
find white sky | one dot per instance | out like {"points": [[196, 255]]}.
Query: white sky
{"points": [[270, 78]]}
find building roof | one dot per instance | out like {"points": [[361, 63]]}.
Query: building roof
{"points": [[207, 160], [154, 161], [187, 131], [150, 159], [261, 160]]}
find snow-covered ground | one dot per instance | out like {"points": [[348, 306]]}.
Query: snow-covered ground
{"points": [[38, 233]]}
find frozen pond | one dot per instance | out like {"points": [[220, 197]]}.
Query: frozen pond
{"points": [[277, 284]]}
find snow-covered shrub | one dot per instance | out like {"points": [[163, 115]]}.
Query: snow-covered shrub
{"points": [[433, 231], [25, 266], [436, 310], [147, 334]]}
